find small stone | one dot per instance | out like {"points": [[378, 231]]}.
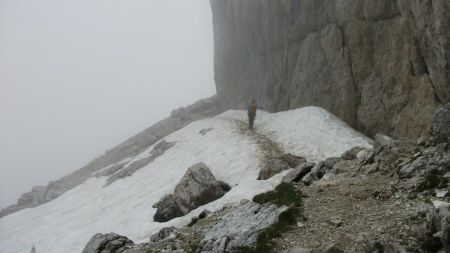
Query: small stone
{"points": [[299, 250], [336, 221], [300, 225], [441, 193], [438, 203]]}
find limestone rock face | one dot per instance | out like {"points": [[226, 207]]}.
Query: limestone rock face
{"points": [[197, 187], [440, 126], [382, 66], [239, 227]]}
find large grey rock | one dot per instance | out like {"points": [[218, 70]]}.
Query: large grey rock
{"points": [[240, 227], [432, 160], [107, 243], [320, 169], [382, 65], [197, 187], [273, 167], [162, 234], [441, 124], [298, 173], [351, 153]]}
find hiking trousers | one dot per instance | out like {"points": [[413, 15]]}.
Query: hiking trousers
{"points": [[251, 120]]}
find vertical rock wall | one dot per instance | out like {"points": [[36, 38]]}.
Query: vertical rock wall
{"points": [[381, 65]]}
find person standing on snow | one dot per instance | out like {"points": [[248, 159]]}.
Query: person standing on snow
{"points": [[251, 113]]}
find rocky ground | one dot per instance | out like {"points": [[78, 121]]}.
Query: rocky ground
{"points": [[353, 212]]}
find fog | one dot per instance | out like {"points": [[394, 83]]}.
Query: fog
{"points": [[78, 77]]}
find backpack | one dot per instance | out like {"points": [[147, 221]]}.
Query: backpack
{"points": [[252, 108]]}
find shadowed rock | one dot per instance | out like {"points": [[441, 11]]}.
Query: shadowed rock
{"points": [[197, 187], [440, 125], [107, 243]]}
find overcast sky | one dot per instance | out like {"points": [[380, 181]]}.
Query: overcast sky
{"points": [[78, 77]]}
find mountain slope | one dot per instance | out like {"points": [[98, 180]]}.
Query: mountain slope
{"points": [[233, 154], [133, 146]]}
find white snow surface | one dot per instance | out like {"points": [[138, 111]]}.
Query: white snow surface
{"points": [[125, 207]]}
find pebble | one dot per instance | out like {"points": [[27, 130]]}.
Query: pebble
{"points": [[300, 225]]}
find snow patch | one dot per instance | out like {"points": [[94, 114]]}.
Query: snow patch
{"points": [[125, 207]]}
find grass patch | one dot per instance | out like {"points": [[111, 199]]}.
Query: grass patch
{"points": [[432, 180], [284, 194]]}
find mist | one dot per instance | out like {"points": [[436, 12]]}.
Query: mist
{"points": [[79, 77]]}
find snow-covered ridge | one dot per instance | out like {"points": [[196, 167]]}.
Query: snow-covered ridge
{"points": [[125, 207]]}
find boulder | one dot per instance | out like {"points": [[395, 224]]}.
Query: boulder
{"points": [[298, 173], [440, 126], [197, 187], [273, 167], [351, 153], [239, 227], [320, 169], [162, 234], [107, 243], [345, 166], [330, 162], [167, 209]]}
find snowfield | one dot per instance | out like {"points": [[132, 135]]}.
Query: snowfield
{"points": [[125, 207]]}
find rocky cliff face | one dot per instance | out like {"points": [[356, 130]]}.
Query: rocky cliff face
{"points": [[381, 65]]}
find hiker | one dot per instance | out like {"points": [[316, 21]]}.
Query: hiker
{"points": [[33, 250], [251, 113]]}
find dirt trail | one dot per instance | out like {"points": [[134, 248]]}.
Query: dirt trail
{"points": [[269, 148]]}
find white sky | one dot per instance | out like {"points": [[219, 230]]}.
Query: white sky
{"points": [[78, 77]]}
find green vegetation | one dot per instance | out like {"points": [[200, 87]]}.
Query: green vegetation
{"points": [[284, 195], [192, 247], [432, 180]]}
